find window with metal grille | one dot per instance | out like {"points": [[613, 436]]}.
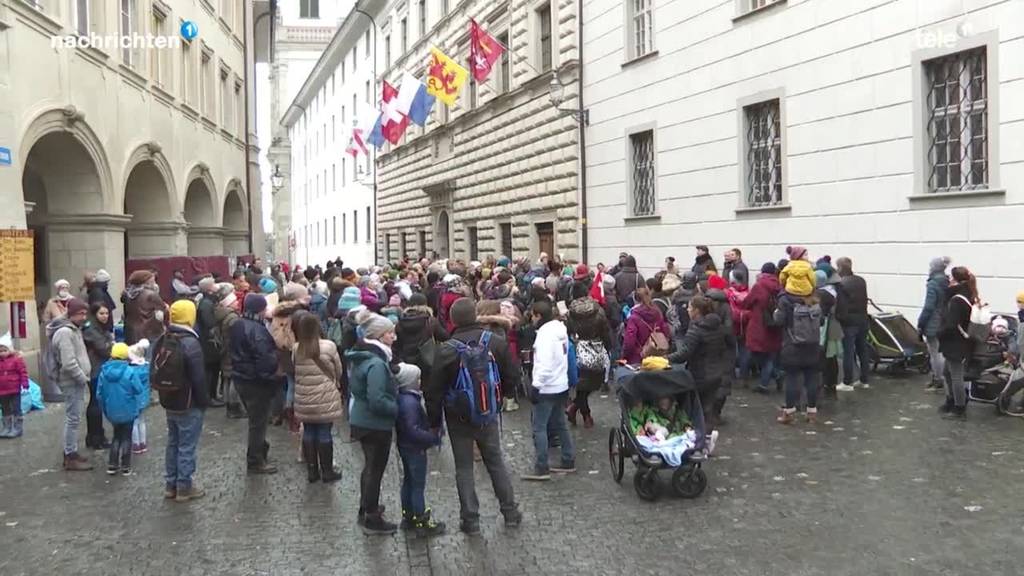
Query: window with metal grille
{"points": [[506, 239], [643, 199], [473, 240], [355, 226], [764, 154], [755, 4], [544, 37], [344, 222], [387, 248], [404, 29], [958, 122], [387, 51], [422, 13], [642, 26], [422, 241]]}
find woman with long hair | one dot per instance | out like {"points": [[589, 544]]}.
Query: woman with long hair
{"points": [[954, 343], [644, 319], [317, 396], [98, 343]]}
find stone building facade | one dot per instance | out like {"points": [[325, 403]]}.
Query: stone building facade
{"points": [[497, 173]]}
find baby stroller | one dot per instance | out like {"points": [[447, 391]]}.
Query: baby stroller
{"points": [[895, 343], [688, 479], [992, 380]]}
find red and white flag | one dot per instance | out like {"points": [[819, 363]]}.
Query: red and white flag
{"points": [[484, 51], [393, 122]]}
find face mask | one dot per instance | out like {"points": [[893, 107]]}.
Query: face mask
{"points": [[63, 294]]}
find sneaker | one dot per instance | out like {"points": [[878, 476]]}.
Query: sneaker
{"points": [[862, 385], [143, 448], [510, 405], [811, 416], [935, 385], [407, 520], [564, 468], [786, 416], [844, 388], [376, 525], [126, 471], [712, 440], [111, 470], [957, 413], [262, 469], [537, 476], [513, 519], [426, 527], [136, 448], [470, 528], [193, 493]]}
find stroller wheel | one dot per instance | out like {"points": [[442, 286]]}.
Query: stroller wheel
{"points": [[616, 455], [645, 482], [689, 481]]}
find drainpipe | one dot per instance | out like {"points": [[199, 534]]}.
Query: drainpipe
{"points": [[582, 137]]}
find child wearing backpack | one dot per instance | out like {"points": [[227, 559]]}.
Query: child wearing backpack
{"points": [[119, 390], [414, 438], [800, 318], [13, 379]]}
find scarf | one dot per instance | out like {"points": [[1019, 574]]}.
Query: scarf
{"points": [[383, 347]]}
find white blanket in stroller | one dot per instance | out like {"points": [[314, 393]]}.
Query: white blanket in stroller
{"points": [[671, 449]]}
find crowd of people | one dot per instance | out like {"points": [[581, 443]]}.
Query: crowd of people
{"points": [[417, 350]]}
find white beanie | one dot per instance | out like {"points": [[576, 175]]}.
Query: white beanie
{"points": [[137, 352], [6, 341]]}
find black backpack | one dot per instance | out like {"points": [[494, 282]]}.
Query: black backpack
{"points": [[167, 371], [768, 314]]}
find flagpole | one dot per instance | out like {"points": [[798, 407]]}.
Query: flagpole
{"points": [[523, 60]]}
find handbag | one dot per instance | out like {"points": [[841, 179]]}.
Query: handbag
{"points": [[657, 343], [591, 355], [425, 353]]}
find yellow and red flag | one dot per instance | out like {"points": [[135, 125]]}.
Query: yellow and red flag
{"points": [[484, 51], [445, 77]]}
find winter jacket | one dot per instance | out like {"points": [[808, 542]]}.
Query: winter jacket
{"points": [[953, 344], [736, 266], [70, 351], [415, 326], [411, 428], [253, 353], [930, 321], [722, 306], [708, 348], [627, 281], [13, 374], [701, 264], [447, 299], [759, 336], [681, 304], [98, 342], [587, 322], [798, 278], [317, 398], [99, 292], [446, 372], [498, 325], [141, 306], [551, 359], [54, 309], [224, 319], [853, 310], [641, 321], [119, 389], [806, 355], [284, 338], [205, 322], [373, 388], [196, 395]]}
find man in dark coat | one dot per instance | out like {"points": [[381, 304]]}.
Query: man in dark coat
{"points": [[627, 280], [205, 323], [734, 263], [852, 313], [255, 376], [702, 262]]}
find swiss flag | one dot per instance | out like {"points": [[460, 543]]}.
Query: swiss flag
{"points": [[484, 51], [393, 122]]}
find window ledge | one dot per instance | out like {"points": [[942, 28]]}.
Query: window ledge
{"points": [[777, 209], [162, 93], [762, 9], [189, 110], [132, 75], [649, 56], [640, 220], [958, 199]]}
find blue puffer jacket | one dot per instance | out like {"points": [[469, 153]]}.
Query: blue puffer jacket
{"points": [[253, 353], [119, 390], [412, 430], [930, 321]]}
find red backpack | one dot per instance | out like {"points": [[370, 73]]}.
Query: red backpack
{"points": [[740, 316]]}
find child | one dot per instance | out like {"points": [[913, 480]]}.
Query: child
{"points": [[119, 389], [414, 438], [797, 276], [13, 379], [137, 362]]}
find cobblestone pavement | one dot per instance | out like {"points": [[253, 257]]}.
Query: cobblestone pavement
{"points": [[880, 486]]}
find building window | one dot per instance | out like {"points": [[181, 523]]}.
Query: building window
{"points": [[473, 242], [342, 66], [355, 113], [309, 8], [354, 61], [544, 37], [128, 12], [504, 75], [387, 51], [506, 239], [403, 28], [343, 172], [473, 91], [226, 117], [422, 12], [641, 27], [206, 83], [764, 154], [80, 16], [366, 45], [368, 231], [159, 66], [239, 109], [334, 131], [355, 227], [387, 248], [369, 95], [344, 218], [334, 228], [334, 177], [444, 8], [317, 234], [422, 243], [958, 107], [188, 74], [643, 196]]}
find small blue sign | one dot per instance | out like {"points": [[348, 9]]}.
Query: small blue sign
{"points": [[5, 156], [189, 30]]}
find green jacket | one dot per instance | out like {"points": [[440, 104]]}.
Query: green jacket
{"points": [[373, 388]]}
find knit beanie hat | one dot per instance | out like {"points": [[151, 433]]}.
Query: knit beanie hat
{"points": [[716, 282], [417, 299], [183, 313], [1020, 297], [119, 351], [224, 289], [6, 341], [782, 264], [938, 264], [373, 326], [769, 268], [351, 297], [796, 252], [295, 291], [689, 280], [820, 277], [140, 277], [76, 305], [254, 304], [102, 275], [267, 285], [207, 283], [582, 272], [408, 376], [463, 313]]}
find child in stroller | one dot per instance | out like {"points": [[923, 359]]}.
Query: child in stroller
{"points": [[993, 365]]}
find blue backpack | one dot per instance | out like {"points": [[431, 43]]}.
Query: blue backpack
{"points": [[477, 390]]}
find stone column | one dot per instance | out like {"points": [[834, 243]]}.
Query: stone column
{"points": [[86, 243], [157, 239], [206, 241]]}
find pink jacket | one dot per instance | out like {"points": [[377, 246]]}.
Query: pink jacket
{"points": [[13, 374]]}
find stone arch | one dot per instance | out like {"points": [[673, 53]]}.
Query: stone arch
{"points": [[235, 219], [156, 228], [205, 237]]}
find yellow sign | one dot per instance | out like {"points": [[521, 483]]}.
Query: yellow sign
{"points": [[445, 77], [17, 266]]}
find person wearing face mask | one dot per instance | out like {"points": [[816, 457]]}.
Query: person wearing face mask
{"points": [[58, 305], [144, 311]]}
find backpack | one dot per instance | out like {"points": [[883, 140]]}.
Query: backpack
{"points": [[657, 343], [591, 355], [51, 362], [678, 318], [564, 292], [806, 326], [318, 306], [477, 390], [739, 314], [334, 331], [768, 313], [979, 328], [167, 370]]}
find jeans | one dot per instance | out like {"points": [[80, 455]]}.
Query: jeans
{"points": [[257, 397], [289, 392], [955, 386], [488, 440], [937, 359], [743, 358], [94, 434], [550, 411], [855, 347], [376, 446], [810, 378], [121, 446], [74, 403], [414, 480], [317, 432], [183, 431], [139, 430], [766, 362]]}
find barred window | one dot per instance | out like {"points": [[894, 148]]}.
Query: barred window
{"points": [[641, 14], [958, 122], [506, 239], [643, 178], [473, 239], [764, 154]]}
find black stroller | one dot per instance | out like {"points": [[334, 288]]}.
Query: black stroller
{"points": [[992, 380], [688, 480]]}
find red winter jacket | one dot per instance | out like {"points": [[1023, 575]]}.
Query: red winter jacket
{"points": [[13, 374], [760, 337]]}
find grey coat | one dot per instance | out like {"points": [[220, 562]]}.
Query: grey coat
{"points": [[72, 356]]}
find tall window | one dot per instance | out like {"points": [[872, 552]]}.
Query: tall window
{"points": [[128, 13], [325, 231], [368, 231], [366, 45], [506, 239], [342, 72], [764, 154], [80, 16], [504, 75], [344, 221], [334, 177], [473, 90], [641, 27], [473, 241], [422, 242], [188, 73], [958, 121], [227, 12], [309, 8], [643, 196], [343, 161], [206, 83], [387, 51], [403, 27], [239, 110], [334, 130], [226, 117], [355, 114], [334, 227], [422, 12], [354, 61], [444, 8], [387, 247], [544, 37], [355, 226], [369, 95], [158, 63]]}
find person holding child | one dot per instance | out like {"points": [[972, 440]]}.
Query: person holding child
{"points": [[13, 379]]}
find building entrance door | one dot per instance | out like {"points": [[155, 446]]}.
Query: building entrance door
{"points": [[546, 238]]}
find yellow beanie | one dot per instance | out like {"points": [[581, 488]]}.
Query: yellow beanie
{"points": [[654, 363], [1020, 297], [183, 313], [119, 351]]}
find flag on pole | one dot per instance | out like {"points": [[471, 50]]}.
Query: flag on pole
{"points": [[363, 129], [444, 77], [413, 99], [393, 123], [484, 51], [376, 137]]}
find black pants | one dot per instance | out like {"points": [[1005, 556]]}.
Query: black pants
{"points": [[10, 404], [94, 434], [213, 379], [376, 450], [256, 397], [121, 446], [582, 402]]}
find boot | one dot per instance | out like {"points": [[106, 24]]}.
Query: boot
{"points": [[947, 406], [328, 473], [407, 520], [570, 413], [588, 420], [7, 427], [74, 463], [426, 526], [956, 413], [19, 427], [374, 524], [812, 415], [309, 449], [786, 416]]}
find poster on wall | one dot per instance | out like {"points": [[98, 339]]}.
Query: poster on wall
{"points": [[17, 266]]}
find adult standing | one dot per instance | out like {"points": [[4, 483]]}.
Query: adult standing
{"points": [[206, 323], [800, 319], [763, 337], [143, 308], [627, 279], [99, 291], [853, 315], [255, 375], [464, 435], [829, 294], [317, 397], [703, 262], [644, 320], [954, 343], [296, 298], [929, 323], [593, 339], [734, 263], [225, 315], [373, 413], [98, 343], [418, 334], [58, 305], [72, 374]]}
